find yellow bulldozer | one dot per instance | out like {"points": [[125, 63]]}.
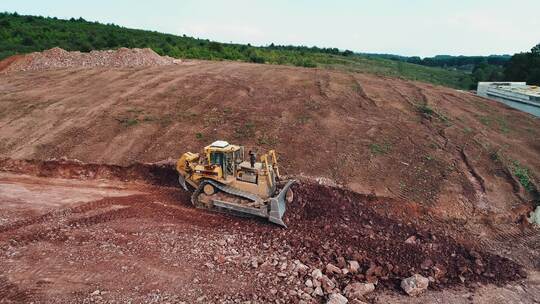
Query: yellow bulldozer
{"points": [[223, 180]]}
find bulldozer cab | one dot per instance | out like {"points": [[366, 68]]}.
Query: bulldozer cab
{"points": [[225, 156]]}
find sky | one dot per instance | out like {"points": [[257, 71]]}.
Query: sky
{"points": [[404, 27]]}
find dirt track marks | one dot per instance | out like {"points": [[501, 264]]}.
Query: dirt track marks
{"points": [[11, 293], [522, 246]]}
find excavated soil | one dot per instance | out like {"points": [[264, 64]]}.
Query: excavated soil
{"points": [[381, 161], [407, 140], [104, 248], [57, 58], [153, 174]]}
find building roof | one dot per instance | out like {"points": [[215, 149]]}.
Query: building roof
{"points": [[526, 90]]}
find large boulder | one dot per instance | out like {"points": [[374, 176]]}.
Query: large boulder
{"points": [[535, 217], [415, 285]]}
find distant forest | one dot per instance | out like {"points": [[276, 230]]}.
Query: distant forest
{"points": [[24, 34], [519, 67]]}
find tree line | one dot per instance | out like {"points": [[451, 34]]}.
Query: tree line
{"points": [[519, 67], [25, 34]]}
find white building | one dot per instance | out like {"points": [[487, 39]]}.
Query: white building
{"points": [[512, 91]]}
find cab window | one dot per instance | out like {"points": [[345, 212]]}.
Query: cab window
{"points": [[216, 158]]}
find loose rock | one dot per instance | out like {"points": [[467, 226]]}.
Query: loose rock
{"points": [[415, 285], [337, 298], [327, 284], [411, 240], [316, 274], [354, 266], [358, 290], [330, 268]]}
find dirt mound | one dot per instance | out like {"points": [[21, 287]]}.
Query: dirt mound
{"points": [[336, 225], [447, 150], [325, 225], [57, 58], [153, 174]]}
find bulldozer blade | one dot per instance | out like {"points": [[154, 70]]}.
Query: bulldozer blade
{"points": [[278, 205], [182, 182]]}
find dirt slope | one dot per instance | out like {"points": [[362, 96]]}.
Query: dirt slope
{"points": [[441, 148], [94, 238]]}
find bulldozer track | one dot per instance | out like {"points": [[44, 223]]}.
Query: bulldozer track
{"points": [[225, 189], [11, 293], [55, 215], [520, 246]]}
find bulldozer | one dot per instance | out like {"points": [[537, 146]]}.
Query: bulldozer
{"points": [[223, 180]]}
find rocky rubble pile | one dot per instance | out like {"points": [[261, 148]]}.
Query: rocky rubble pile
{"points": [[57, 58], [346, 251]]}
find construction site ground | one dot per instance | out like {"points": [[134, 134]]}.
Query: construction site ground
{"points": [[402, 177], [80, 239]]}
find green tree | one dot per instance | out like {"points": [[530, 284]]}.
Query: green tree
{"points": [[536, 49], [525, 67]]}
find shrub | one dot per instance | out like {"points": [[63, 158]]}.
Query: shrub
{"points": [[522, 173], [253, 57], [306, 63], [425, 109]]}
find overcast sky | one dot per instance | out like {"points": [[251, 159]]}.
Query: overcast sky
{"points": [[404, 27]]}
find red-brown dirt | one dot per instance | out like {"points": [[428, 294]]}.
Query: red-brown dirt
{"points": [[373, 134], [409, 159], [148, 243], [5, 63]]}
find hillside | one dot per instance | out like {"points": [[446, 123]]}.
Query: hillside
{"points": [[408, 140], [26, 34], [441, 183]]}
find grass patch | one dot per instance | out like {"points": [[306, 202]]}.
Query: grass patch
{"points": [[380, 149], [135, 111], [135, 116], [128, 121], [523, 175], [425, 109], [247, 130], [428, 112], [199, 136], [267, 140], [303, 119], [149, 118], [444, 118], [486, 121], [503, 125], [501, 122], [312, 105]]}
